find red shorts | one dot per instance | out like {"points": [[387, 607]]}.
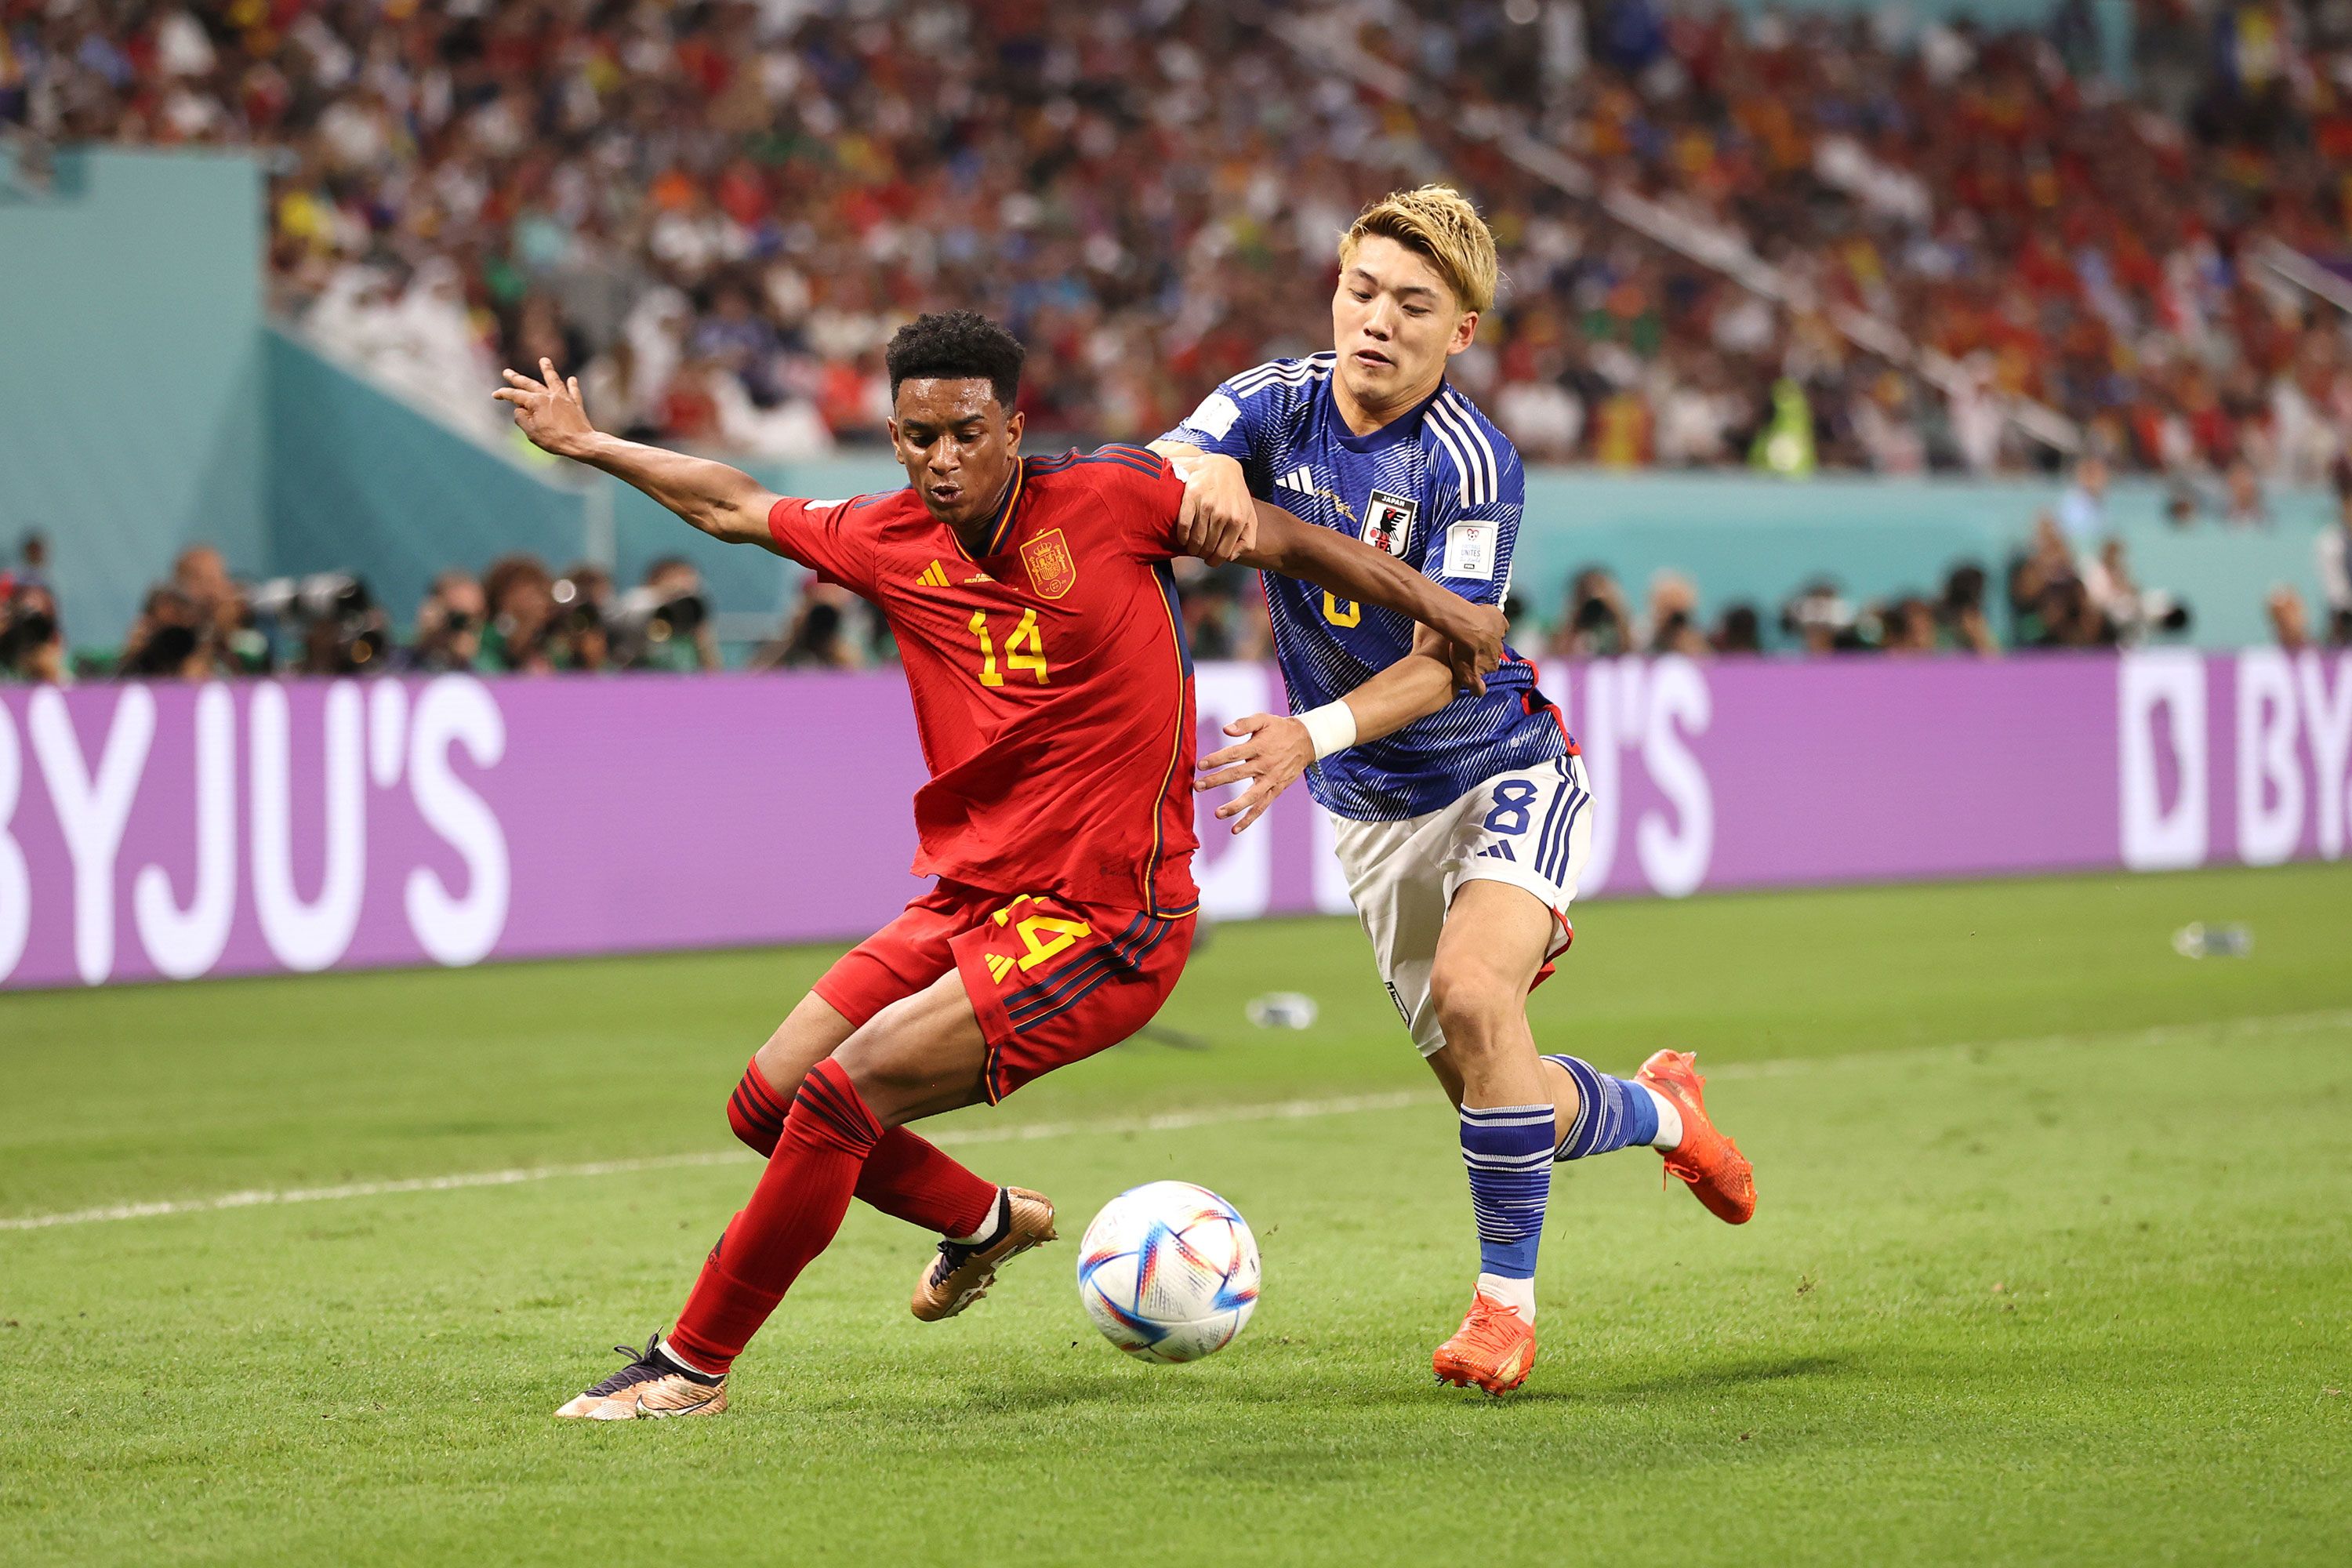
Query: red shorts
{"points": [[1052, 982]]}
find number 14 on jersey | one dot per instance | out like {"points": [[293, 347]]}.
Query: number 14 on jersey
{"points": [[1024, 635]]}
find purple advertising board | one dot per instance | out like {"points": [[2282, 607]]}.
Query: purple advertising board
{"points": [[175, 831]]}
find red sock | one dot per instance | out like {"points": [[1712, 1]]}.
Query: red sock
{"points": [[905, 1177], [756, 1111], [792, 1215], [908, 1178]]}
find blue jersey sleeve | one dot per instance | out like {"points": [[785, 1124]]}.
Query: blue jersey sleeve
{"points": [[1475, 526], [1246, 416], [1222, 424]]}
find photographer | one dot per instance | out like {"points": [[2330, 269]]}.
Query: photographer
{"points": [[1965, 626], [665, 623], [448, 626], [1821, 620], [238, 644], [1595, 625], [520, 595], [170, 640], [32, 643], [581, 636]]}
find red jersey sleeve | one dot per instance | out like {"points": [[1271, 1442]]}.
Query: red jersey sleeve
{"points": [[1142, 494], [825, 536]]}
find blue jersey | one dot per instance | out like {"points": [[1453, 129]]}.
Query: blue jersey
{"points": [[1439, 487]]}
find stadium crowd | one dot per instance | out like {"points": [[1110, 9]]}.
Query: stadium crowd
{"points": [[715, 213]]}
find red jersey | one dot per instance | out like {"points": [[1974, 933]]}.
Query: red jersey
{"points": [[1053, 688]]}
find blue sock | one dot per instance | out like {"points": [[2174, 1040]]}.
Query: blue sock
{"points": [[1611, 1113], [1508, 1149]]}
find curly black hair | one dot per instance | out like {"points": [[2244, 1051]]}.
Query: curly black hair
{"points": [[956, 345]]}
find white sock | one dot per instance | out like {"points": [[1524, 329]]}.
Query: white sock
{"points": [[1516, 1293], [1000, 1215], [665, 1350], [1670, 1120]]}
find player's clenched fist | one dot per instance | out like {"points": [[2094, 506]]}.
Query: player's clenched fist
{"points": [[1473, 648], [550, 412], [1218, 521]]}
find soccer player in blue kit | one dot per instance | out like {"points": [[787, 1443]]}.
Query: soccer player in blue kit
{"points": [[1464, 822]]}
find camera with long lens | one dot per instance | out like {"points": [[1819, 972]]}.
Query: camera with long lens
{"points": [[576, 610], [331, 615], [651, 627], [1818, 609]]}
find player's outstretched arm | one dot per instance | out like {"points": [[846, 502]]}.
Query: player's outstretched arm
{"points": [[726, 503], [1270, 750], [1354, 570]]}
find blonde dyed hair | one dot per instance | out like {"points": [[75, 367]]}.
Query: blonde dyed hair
{"points": [[1439, 222]]}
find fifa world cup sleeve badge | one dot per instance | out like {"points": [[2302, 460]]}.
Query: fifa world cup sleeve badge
{"points": [[1051, 572]]}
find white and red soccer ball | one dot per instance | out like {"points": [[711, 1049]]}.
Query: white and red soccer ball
{"points": [[1169, 1272]]}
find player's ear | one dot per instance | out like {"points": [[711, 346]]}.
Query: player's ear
{"points": [[1466, 332], [1013, 428]]}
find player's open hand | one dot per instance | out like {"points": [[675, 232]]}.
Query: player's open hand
{"points": [[550, 412], [1218, 520], [1271, 756]]}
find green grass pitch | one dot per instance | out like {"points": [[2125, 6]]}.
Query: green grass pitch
{"points": [[2053, 1263]]}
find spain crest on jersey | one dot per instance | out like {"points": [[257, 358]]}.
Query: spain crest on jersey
{"points": [[1052, 570]]}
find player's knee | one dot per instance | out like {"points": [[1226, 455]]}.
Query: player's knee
{"points": [[1473, 998]]}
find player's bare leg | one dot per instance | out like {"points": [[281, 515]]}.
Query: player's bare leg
{"points": [[917, 1058], [1495, 939]]}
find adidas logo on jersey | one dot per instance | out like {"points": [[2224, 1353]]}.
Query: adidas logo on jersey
{"points": [[933, 576], [1300, 479]]}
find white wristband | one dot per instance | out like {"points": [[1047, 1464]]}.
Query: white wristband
{"points": [[1332, 727]]}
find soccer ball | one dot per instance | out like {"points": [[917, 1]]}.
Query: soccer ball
{"points": [[1169, 1272]]}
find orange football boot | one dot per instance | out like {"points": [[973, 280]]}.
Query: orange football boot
{"points": [[1719, 1173], [1495, 1349]]}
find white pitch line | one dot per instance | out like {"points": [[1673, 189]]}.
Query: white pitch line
{"points": [[1167, 1121], [1018, 1132]]}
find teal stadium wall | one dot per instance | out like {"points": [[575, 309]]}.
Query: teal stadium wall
{"points": [[131, 372], [144, 403]]}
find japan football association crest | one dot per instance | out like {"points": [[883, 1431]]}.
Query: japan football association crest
{"points": [[1052, 571], [1388, 521]]}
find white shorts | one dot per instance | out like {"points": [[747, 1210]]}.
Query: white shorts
{"points": [[1531, 829]]}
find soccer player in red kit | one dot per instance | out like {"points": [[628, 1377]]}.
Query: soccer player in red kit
{"points": [[1036, 616]]}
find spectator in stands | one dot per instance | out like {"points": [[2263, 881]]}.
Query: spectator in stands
{"points": [[2082, 516], [2334, 551], [2243, 506], [33, 570], [784, 181], [2290, 623]]}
